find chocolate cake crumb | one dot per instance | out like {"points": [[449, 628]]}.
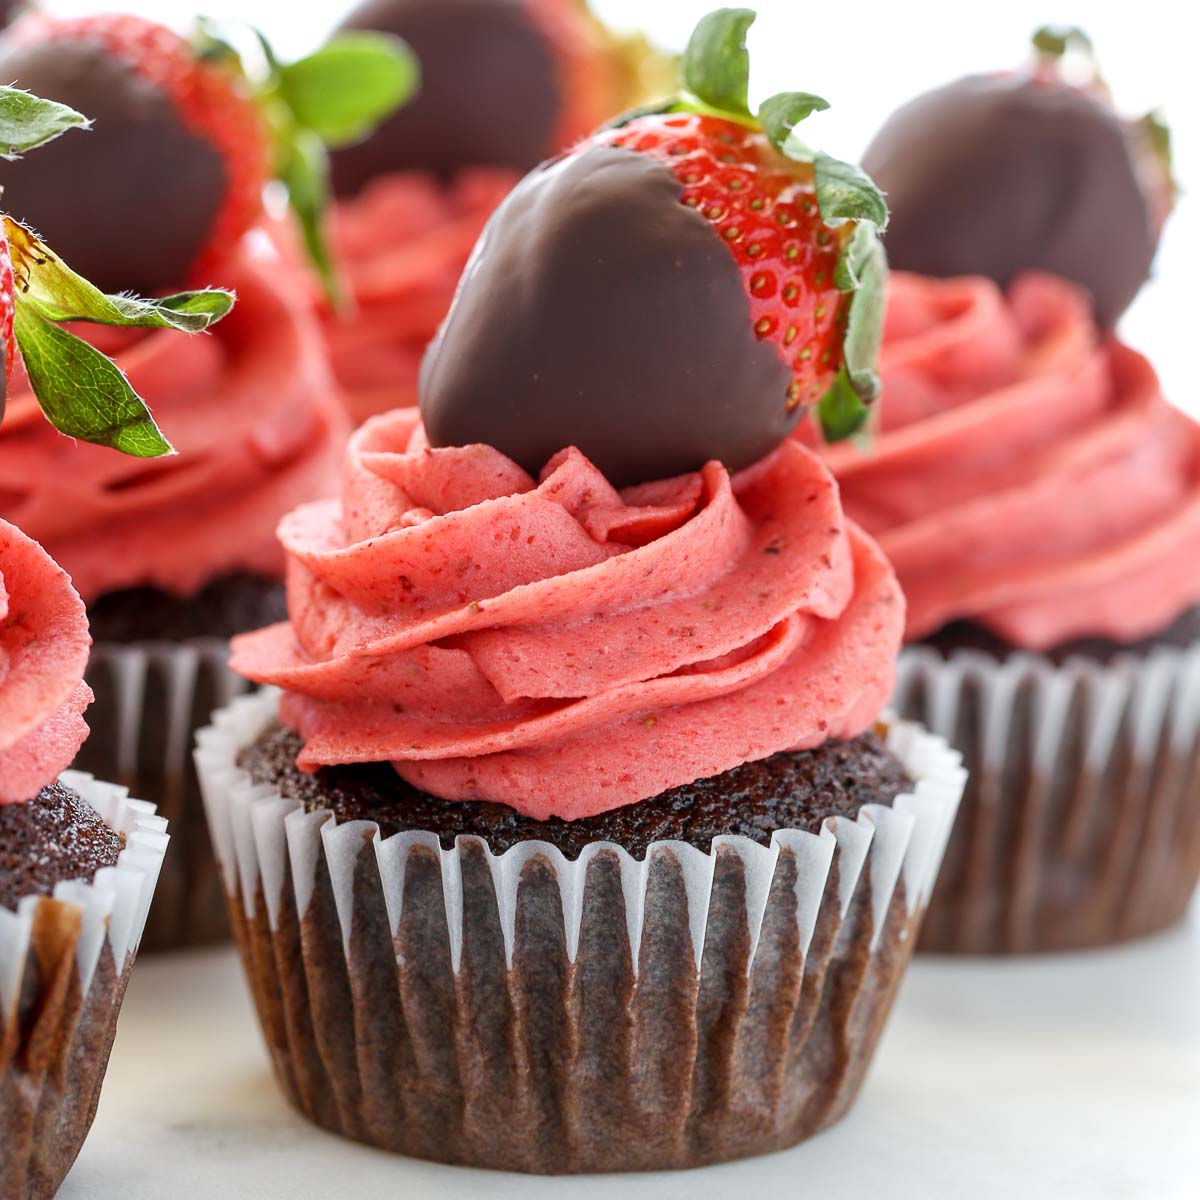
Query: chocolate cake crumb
{"points": [[1183, 632], [792, 790], [227, 606], [54, 837]]}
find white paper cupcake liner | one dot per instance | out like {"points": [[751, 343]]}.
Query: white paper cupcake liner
{"points": [[151, 698], [526, 1011], [64, 963], [1080, 824]]}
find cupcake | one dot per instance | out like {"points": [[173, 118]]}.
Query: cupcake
{"points": [[78, 864], [567, 836], [414, 196], [1040, 501], [172, 556]]}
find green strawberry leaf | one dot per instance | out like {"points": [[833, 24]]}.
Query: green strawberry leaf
{"points": [[864, 322], [342, 91], [268, 52], [1056, 40], [782, 113], [304, 171], [841, 411], [845, 192], [853, 257], [1157, 135], [716, 63], [28, 121], [58, 294], [210, 45], [83, 393], [862, 271]]}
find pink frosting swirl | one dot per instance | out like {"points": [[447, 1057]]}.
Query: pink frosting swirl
{"points": [[1028, 474], [402, 245], [254, 413], [44, 645], [561, 647]]}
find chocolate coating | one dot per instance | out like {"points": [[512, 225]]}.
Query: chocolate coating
{"points": [[598, 311], [128, 205], [998, 174], [489, 92], [54, 837], [793, 790]]}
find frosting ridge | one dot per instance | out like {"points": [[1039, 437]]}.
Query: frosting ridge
{"points": [[1028, 473], [562, 647], [44, 644]]}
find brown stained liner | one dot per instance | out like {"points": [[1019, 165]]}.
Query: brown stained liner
{"points": [[506, 1010], [54, 1049], [1080, 823], [150, 700], [554, 1067]]}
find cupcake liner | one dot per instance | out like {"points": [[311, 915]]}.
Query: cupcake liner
{"points": [[151, 698], [1080, 824], [64, 963], [526, 1012]]}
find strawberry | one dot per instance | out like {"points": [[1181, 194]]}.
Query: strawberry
{"points": [[1079, 191], [678, 288], [184, 141], [764, 208]]}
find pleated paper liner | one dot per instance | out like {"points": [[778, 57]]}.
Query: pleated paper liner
{"points": [[526, 1012], [64, 963], [151, 698], [1080, 824]]}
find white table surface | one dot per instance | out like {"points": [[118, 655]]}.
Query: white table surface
{"points": [[1064, 1078]]}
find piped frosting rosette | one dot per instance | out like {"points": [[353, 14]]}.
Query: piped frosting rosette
{"points": [[401, 246], [252, 409], [44, 644], [564, 648], [1027, 473]]}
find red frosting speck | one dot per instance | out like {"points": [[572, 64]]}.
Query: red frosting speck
{"points": [[564, 648], [253, 411], [44, 645], [1028, 474]]}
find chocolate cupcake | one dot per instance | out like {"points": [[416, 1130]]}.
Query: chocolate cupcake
{"points": [[414, 196], [174, 556], [78, 865], [1040, 501], [171, 555], [571, 841]]}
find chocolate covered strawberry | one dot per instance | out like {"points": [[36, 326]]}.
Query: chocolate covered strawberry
{"points": [[184, 140], [504, 83], [758, 275], [82, 392], [1023, 170]]}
